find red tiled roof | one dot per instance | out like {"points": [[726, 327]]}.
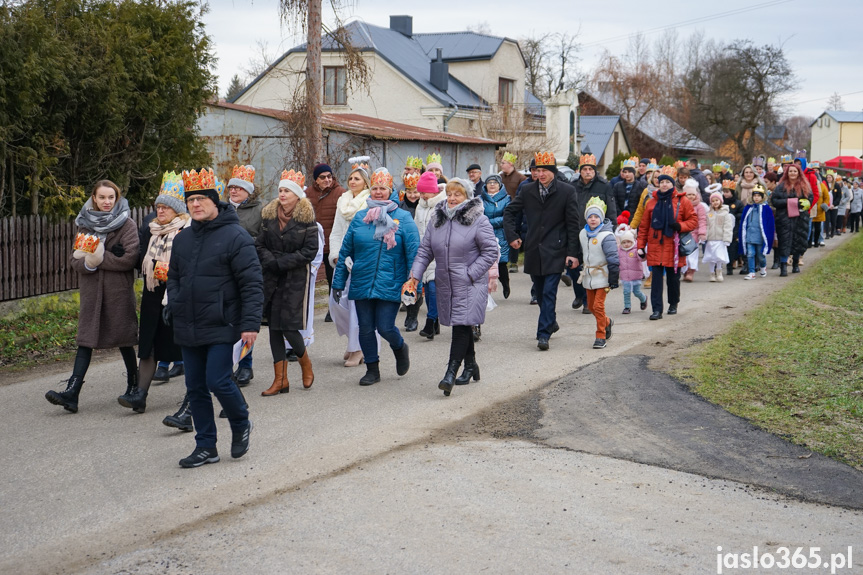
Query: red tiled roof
{"points": [[367, 126]]}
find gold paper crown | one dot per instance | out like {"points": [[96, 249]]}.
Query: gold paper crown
{"points": [[587, 160], [510, 157], [245, 173], [831, 173], [382, 178], [172, 185], [296, 177], [668, 171], [360, 162], [679, 164], [759, 189], [411, 181], [544, 159], [434, 158], [629, 163], [771, 161], [414, 162], [596, 202], [717, 167], [730, 184], [786, 159], [195, 181]]}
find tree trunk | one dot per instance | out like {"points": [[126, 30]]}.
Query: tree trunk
{"points": [[314, 79]]}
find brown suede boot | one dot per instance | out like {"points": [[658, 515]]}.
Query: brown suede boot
{"points": [[647, 283], [308, 374], [280, 381]]}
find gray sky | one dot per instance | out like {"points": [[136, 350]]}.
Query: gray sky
{"points": [[823, 50]]}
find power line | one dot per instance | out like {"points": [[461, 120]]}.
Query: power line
{"points": [[688, 22], [827, 97]]}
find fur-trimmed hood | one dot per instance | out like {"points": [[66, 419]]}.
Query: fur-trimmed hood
{"points": [[466, 214], [304, 213]]}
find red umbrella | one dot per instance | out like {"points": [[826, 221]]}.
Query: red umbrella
{"points": [[850, 164]]}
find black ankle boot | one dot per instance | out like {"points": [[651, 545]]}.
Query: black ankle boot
{"points": [[429, 329], [795, 268], [68, 398], [373, 374], [411, 323], [136, 400], [470, 371], [783, 270], [131, 390], [403, 360], [448, 381], [182, 420]]}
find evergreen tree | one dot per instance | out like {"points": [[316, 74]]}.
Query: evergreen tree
{"points": [[234, 88]]}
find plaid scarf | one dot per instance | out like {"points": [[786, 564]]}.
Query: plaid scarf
{"points": [[159, 249]]}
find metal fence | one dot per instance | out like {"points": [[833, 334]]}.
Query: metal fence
{"points": [[35, 253]]}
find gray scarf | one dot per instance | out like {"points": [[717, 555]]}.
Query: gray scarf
{"points": [[103, 223]]}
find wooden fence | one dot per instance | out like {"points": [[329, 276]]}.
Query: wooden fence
{"points": [[35, 253]]}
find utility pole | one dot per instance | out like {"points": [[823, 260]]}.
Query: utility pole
{"points": [[314, 79]]}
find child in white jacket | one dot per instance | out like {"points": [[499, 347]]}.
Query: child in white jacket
{"points": [[720, 232]]}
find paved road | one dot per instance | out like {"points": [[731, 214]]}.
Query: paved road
{"points": [[390, 478]]}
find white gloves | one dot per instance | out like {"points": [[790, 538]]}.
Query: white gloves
{"points": [[94, 260]]}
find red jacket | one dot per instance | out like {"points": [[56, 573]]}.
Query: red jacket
{"points": [[813, 184], [660, 249]]}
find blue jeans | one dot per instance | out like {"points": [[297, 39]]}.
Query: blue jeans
{"points": [[755, 256], [431, 300], [630, 287], [380, 315], [208, 370], [545, 288]]}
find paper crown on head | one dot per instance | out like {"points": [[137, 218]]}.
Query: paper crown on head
{"points": [[800, 154], [510, 157], [245, 173], [293, 176], [668, 171], [172, 185], [717, 167], [629, 163], [587, 160], [725, 165], [679, 164], [543, 159], [434, 159], [595, 204], [759, 189], [758, 162], [829, 173], [196, 181], [360, 162], [411, 181], [785, 159], [814, 164], [414, 162], [729, 184], [771, 161], [652, 165], [382, 177]]}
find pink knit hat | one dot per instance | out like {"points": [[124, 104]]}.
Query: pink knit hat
{"points": [[427, 184]]}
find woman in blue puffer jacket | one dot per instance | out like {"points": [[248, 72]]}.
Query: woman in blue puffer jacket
{"points": [[495, 199], [382, 241]]}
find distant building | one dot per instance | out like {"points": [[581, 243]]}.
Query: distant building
{"points": [[836, 133], [769, 141], [604, 137]]}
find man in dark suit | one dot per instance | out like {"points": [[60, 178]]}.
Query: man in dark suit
{"points": [[553, 217]]}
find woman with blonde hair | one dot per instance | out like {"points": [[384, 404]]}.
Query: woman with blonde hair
{"points": [[104, 256]]}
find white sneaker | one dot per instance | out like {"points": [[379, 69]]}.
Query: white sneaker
{"points": [[749, 276], [763, 272], [713, 276]]}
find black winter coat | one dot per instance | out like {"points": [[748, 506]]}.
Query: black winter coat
{"points": [[552, 226], [626, 201], [597, 189], [792, 233], [286, 257], [215, 288]]}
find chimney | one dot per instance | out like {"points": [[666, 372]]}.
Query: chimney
{"points": [[402, 24], [439, 72]]}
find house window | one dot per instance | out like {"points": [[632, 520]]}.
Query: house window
{"points": [[506, 91], [334, 86]]}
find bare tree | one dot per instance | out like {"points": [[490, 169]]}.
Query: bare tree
{"points": [[564, 73], [799, 132], [535, 51], [835, 102], [480, 28], [260, 60], [551, 63]]}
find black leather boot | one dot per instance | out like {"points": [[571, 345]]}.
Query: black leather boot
{"points": [[68, 398], [429, 329], [403, 360], [411, 323], [448, 381], [132, 392], [795, 268], [783, 270], [181, 420], [373, 374], [470, 371]]}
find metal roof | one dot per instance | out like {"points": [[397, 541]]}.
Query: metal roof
{"points": [[842, 116], [597, 131], [459, 46], [403, 53], [372, 127]]}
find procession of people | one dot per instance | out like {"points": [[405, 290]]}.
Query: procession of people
{"points": [[217, 264]]}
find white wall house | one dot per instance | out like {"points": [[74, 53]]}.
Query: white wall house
{"points": [[837, 133]]}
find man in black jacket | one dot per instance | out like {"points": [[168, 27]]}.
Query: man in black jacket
{"points": [[627, 191], [553, 224], [215, 298]]}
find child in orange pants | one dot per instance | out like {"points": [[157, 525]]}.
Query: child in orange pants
{"points": [[601, 266]]}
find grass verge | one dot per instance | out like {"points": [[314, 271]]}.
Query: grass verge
{"points": [[794, 366]]}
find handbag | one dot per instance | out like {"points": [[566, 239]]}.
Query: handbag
{"points": [[686, 245]]}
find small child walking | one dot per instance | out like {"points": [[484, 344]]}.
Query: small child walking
{"points": [[631, 268], [756, 226], [720, 232], [601, 266]]}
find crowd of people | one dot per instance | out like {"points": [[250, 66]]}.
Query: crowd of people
{"points": [[217, 264]]}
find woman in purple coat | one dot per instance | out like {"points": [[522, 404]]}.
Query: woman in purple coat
{"points": [[460, 238]]}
